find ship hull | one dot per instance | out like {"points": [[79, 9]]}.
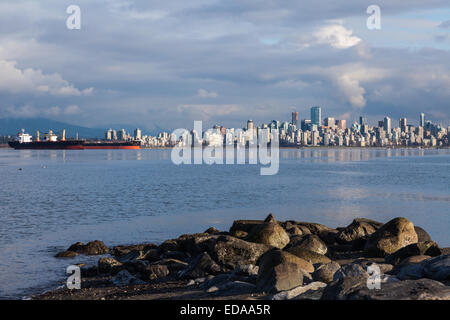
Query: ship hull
{"points": [[48, 145], [127, 145]]}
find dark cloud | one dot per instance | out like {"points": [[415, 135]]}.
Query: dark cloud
{"points": [[147, 61]]}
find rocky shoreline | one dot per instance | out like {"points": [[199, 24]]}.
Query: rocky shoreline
{"points": [[260, 260]]}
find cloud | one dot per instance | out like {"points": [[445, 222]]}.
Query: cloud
{"points": [[15, 80], [72, 110], [335, 35], [445, 24], [202, 93]]}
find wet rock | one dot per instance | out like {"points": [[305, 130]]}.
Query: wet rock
{"points": [[153, 272], [412, 271], [270, 233], [244, 225], [201, 266], [357, 230], [293, 293], [124, 278], [230, 252], [66, 254], [429, 248], [310, 242], [422, 289], [422, 235], [437, 268], [325, 272], [91, 248], [131, 255], [119, 251], [178, 255], [87, 272], [308, 255], [280, 271], [108, 266], [392, 236]]}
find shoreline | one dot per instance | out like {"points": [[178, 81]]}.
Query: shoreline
{"points": [[263, 260]]}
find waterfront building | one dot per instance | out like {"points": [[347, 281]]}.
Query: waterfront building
{"points": [[316, 115]]}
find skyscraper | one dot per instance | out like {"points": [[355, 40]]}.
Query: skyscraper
{"points": [[250, 125], [422, 120], [387, 124], [295, 119], [403, 125], [362, 120], [316, 116], [137, 134]]}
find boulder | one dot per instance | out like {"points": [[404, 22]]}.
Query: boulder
{"points": [[429, 248], [244, 225], [340, 289], [422, 235], [152, 255], [412, 271], [245, 270], [169, 245], [124, 278], [311, 242], [230, 251], [358, 229], [197, 243], [131, 255], [353, 270], [153, 272], [178, 255], [308, 255], [325, 273], [108, 265], [96, 247], [314, 228], [270, 233], [240, 234], [173, 265], [200, 266], [437, 268], [293, 293], [422, 289], [234, 288], [119, 251], [212, 230], [66, 254], [280, 271], [392, 236]]}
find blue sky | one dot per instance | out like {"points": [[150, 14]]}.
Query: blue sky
{"points": [[166, 64]]}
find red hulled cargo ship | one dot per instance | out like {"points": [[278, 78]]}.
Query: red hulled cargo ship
{"points": [[25, 141]]}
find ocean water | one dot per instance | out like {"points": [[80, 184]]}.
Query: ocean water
{"points": [[132, 196]]}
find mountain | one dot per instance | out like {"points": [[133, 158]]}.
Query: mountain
{"points": [[11, 126]]}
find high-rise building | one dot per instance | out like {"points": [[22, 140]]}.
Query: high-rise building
{"points": [[422, 120], [109, 134], [387, 124], [316, 116], [122, 135], [137, 134], [362, 121], [305, 125], [403, 125], [295, 119], [250, 125], [342, 124], [330, 122]]}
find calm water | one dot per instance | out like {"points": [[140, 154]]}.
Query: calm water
{"points": [[130, 196]]}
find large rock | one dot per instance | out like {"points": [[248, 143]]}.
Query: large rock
{"points": [[422, 235], [340, 289], [423, 289], [196, 243], [270, 232], [244, 225], [358, 229], [200, 266], [310, 242], [124, 278], [392, 236], [108, 265], [308, 255], [91, 248], [119, 251], [437, 268], [428, 248], [230, 251], [153, 272], [353, 270], [279, 271], [325, 273]]}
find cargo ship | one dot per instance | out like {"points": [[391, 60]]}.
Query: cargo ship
{"points": [[25, 141], [101, 144]]}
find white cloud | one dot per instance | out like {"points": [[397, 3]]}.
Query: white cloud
{"points": [[335, 35], [202, 93], [15, 80], [72, 110]]}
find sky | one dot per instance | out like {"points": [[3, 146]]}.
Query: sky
{"points": [[164, 64]]}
